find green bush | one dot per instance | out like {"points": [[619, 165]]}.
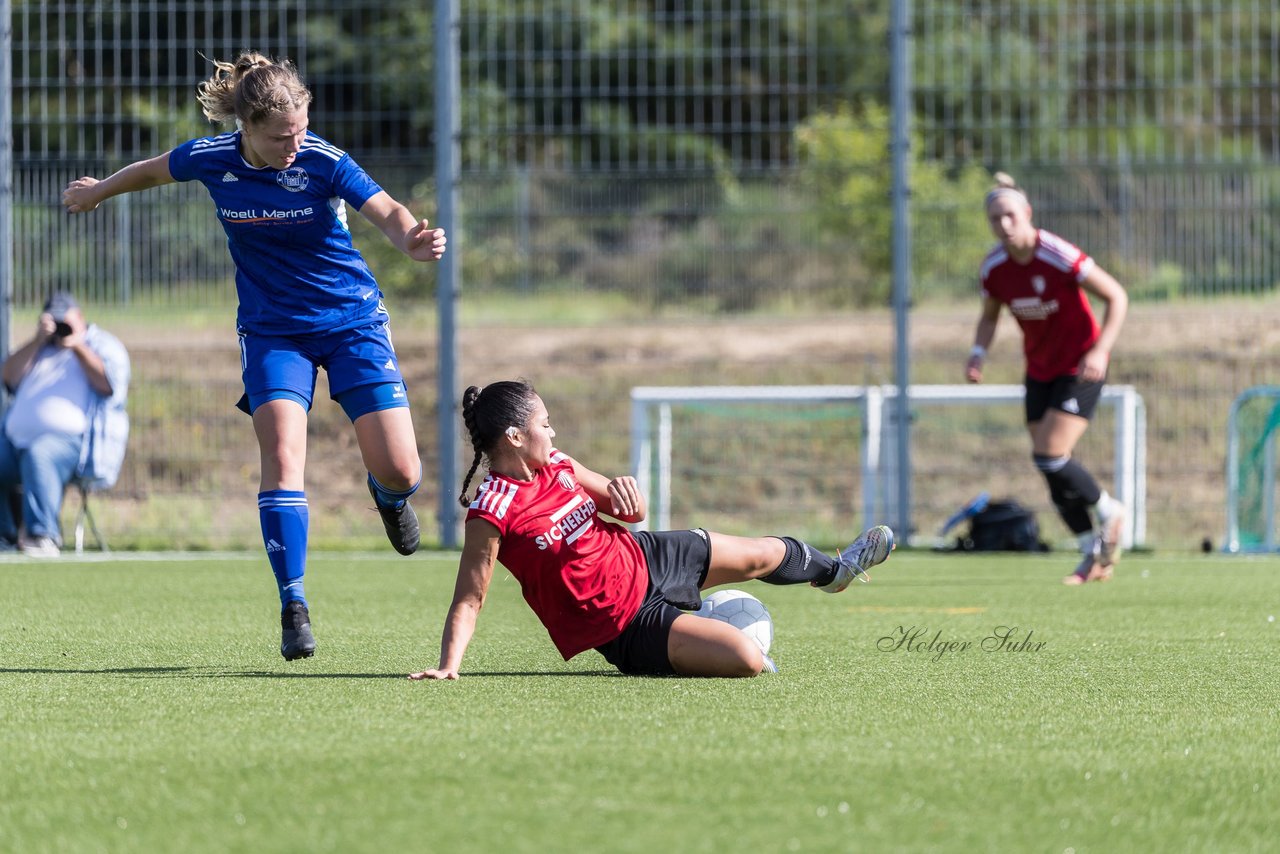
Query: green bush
{"points": [[847, 176]]}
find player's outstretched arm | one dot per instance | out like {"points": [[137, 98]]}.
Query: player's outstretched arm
{"points": [[475, 569], [85, 194], [411, 236]]}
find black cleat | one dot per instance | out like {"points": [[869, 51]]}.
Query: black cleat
{"points": [[296, 640], [401, 525]]}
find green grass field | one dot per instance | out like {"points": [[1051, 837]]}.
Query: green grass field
{"points": [[144, 707]]}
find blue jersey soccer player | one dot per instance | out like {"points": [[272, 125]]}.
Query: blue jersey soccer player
{"points": [[307, 300]]}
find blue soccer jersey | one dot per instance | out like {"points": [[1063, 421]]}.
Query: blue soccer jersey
{"points": [[297, 270]]}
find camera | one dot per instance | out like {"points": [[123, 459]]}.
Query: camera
{"points": [[61, 329]]}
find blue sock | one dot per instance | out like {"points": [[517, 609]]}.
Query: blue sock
{"points": [[384, 497], [283, 514]]}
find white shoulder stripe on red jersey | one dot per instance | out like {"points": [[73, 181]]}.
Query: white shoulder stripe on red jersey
{"points": [[495, 496], [1085, 269], [994, 259], [558, 456], [1055, 251]]}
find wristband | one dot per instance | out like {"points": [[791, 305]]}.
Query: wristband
{"points": [[979, 351]]}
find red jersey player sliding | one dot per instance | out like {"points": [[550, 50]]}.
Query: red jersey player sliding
{"points": [[1044, 279], [593, 583]]}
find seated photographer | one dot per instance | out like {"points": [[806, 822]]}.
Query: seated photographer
{"points": [[65, 421]]}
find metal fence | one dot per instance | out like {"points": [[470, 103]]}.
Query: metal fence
{"points": [[679, 192]]}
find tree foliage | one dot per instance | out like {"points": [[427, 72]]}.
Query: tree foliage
{"points": [[847, 175], [717, 92]]}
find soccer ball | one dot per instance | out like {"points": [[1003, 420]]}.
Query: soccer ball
{"points": [[742, 611]]}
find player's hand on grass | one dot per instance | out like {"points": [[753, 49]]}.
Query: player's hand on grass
{"points": [[79, 196], [424, 243], [434, 674]]}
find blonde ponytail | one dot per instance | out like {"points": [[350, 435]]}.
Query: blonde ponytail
{"points": [[251, 89]]}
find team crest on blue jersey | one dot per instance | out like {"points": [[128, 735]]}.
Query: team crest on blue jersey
{"points": [[294, 179], [566, 481]]}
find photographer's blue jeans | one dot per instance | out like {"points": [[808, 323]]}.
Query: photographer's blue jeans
{"points": [[43, 469]]}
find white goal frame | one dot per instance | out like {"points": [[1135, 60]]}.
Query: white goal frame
{"points": [[879, 436]]}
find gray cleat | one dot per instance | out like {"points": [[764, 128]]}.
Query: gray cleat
{"points": [[870, 549]]}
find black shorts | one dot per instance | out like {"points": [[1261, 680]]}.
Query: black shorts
{"points": [[678, 564], [1068, 394]]}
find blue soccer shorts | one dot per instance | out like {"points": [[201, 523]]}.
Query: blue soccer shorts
{"points": [[364, 374]]}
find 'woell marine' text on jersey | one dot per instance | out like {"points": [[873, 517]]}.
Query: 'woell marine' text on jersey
{"points": [[584, 576], [1044, 295], [296, 268]]}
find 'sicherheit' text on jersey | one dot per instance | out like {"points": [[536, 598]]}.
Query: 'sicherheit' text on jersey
{"points": [[584, 576], [1044, 295]]}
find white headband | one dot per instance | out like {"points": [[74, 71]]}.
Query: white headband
{"points": [[1000, 191]]}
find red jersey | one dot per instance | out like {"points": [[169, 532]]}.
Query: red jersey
{"points": [[583, 576], [1044, 295]]}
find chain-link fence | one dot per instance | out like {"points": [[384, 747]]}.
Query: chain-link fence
{"points": [[680, 193]]}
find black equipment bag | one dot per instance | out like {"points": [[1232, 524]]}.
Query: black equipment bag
{"points": [[1003, 526]]}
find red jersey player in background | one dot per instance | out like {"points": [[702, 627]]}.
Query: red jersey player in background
{"points": [[1043, 280], [593, 583]]}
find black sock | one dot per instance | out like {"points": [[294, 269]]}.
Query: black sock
{"points": [[803, 564], [1076, 517], [1072, 489]]}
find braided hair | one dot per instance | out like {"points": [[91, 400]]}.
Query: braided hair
{"points": [[487, 413]]}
